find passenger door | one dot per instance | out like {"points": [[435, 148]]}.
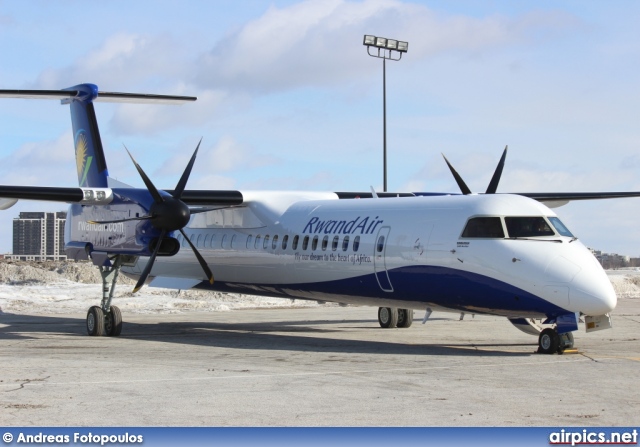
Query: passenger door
{"points": [[379, 259]]}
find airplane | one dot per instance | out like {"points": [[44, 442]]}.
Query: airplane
{"points": [[495, 254]]}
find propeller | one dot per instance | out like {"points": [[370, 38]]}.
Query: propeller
{"points": [[493, 184], [167, 214]]}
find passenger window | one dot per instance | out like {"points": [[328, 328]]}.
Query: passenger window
{"points": [[356, 243], [305, 242], [205, 243], [295, 242], [534, 226], [249, 239], [257, 243], [345, 243], [233, 241], [224, 241], [484, 227], [314, 243], [213, 241], [380, 245], [334, 244], [274, 244], [285, 239], [266, 242], [325, 242]]}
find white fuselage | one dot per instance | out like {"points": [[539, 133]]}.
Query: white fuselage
{"points": [[397, 252]]}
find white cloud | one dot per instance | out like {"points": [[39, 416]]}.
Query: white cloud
{"points": [[121, 61], [44, 163], [315, 43], [148, 119], [227, 155]]}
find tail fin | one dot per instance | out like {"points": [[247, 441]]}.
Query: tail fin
{"points": [[90, 159]]}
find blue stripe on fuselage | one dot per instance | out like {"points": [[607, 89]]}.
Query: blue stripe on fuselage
{"points": [[423, 285]]}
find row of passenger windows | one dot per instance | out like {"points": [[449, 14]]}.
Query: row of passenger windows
{"points": [[530, 226], [265, 242]]}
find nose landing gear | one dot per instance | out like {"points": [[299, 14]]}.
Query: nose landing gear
{"points": [[550, 342]]}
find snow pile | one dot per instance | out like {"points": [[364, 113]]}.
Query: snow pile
{"points": [[70, 287], [626, 283]]}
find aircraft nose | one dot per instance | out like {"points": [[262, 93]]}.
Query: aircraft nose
{"points": [[592, 292]]}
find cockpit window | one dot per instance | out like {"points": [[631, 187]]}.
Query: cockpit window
{"points": [[534, 226], [559, 226], [484, 227]]}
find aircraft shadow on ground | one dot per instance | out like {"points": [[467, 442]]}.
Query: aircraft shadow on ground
{"points": [[295, 336]]}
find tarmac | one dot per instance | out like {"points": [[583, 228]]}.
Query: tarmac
{"points": [[324, 366]]}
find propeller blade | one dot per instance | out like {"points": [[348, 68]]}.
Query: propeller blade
{"points": [[493, 184], [201, 260], [461, 184], [96, 222], [185, 175], [147, 181], [149, 265]]}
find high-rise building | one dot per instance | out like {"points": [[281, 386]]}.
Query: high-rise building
{"points": [[38, 236]]}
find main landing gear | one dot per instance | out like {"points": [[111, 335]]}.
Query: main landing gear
{"points": [[106, 319], [390, 317], [550, 342]]}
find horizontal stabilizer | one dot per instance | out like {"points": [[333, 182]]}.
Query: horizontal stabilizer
{"points": [[138, 98]]}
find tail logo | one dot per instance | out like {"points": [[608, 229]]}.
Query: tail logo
{"points": [[83, 161]]}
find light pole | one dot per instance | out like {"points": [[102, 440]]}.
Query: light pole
{"points": [[384, 49]]}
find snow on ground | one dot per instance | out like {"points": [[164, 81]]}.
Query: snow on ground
{"points": [[69, 287]]}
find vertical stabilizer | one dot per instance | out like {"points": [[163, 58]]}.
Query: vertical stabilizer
{"points": [[90, 160]]}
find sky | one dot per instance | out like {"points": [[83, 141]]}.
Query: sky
{"points": [[288, 98]]}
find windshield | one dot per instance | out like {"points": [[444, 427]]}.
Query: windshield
{"points": [[484, 227], [534, 226], [559, 226]]}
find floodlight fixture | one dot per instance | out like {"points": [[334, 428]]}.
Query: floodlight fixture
{"points": [[384, 49]]}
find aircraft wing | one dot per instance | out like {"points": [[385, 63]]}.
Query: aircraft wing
{"points": [[557, 199], [78, 195]]}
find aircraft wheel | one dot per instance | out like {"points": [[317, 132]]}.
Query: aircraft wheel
{"points": [[95, 321], [388, 317], [405, 317], [548, 341], [113, 322]]}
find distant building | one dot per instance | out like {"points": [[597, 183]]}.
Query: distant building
{"points": [[614, 260], [38, 237]]}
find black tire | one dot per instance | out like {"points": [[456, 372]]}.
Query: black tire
{"points": [[405, 318], [548, 341], [387, 317], [113, 322], [95, 321]]}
